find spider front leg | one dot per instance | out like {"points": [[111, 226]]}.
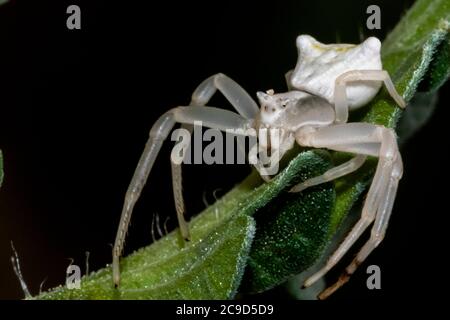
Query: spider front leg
{"points": [[365, 139], [341, 103], [243, 104], [267, 166], [210, 117], [266, 157]]}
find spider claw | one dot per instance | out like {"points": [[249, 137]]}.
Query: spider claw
{"points": [[185, 232], [298, 188], [313, 278], [401, 103], [343, 279]]}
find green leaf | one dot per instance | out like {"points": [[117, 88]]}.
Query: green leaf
{"points": [[439, 69], [417, 115], [209, 267]]}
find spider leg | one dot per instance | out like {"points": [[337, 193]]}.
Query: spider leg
{"points": [[368, 139], [243, 104], [280, 142], [332, 174], [235, 94], [259, 159], [341, 103], [210, 117]]}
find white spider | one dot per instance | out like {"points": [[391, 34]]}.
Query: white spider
{"points": [[328, 81]]}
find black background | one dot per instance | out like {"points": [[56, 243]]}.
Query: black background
{"points": [[77, 105]]}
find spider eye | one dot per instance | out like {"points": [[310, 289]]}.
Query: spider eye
{"points": [[266, 108]]}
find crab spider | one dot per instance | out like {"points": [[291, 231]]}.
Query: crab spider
{"points": [[327, 82]]}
